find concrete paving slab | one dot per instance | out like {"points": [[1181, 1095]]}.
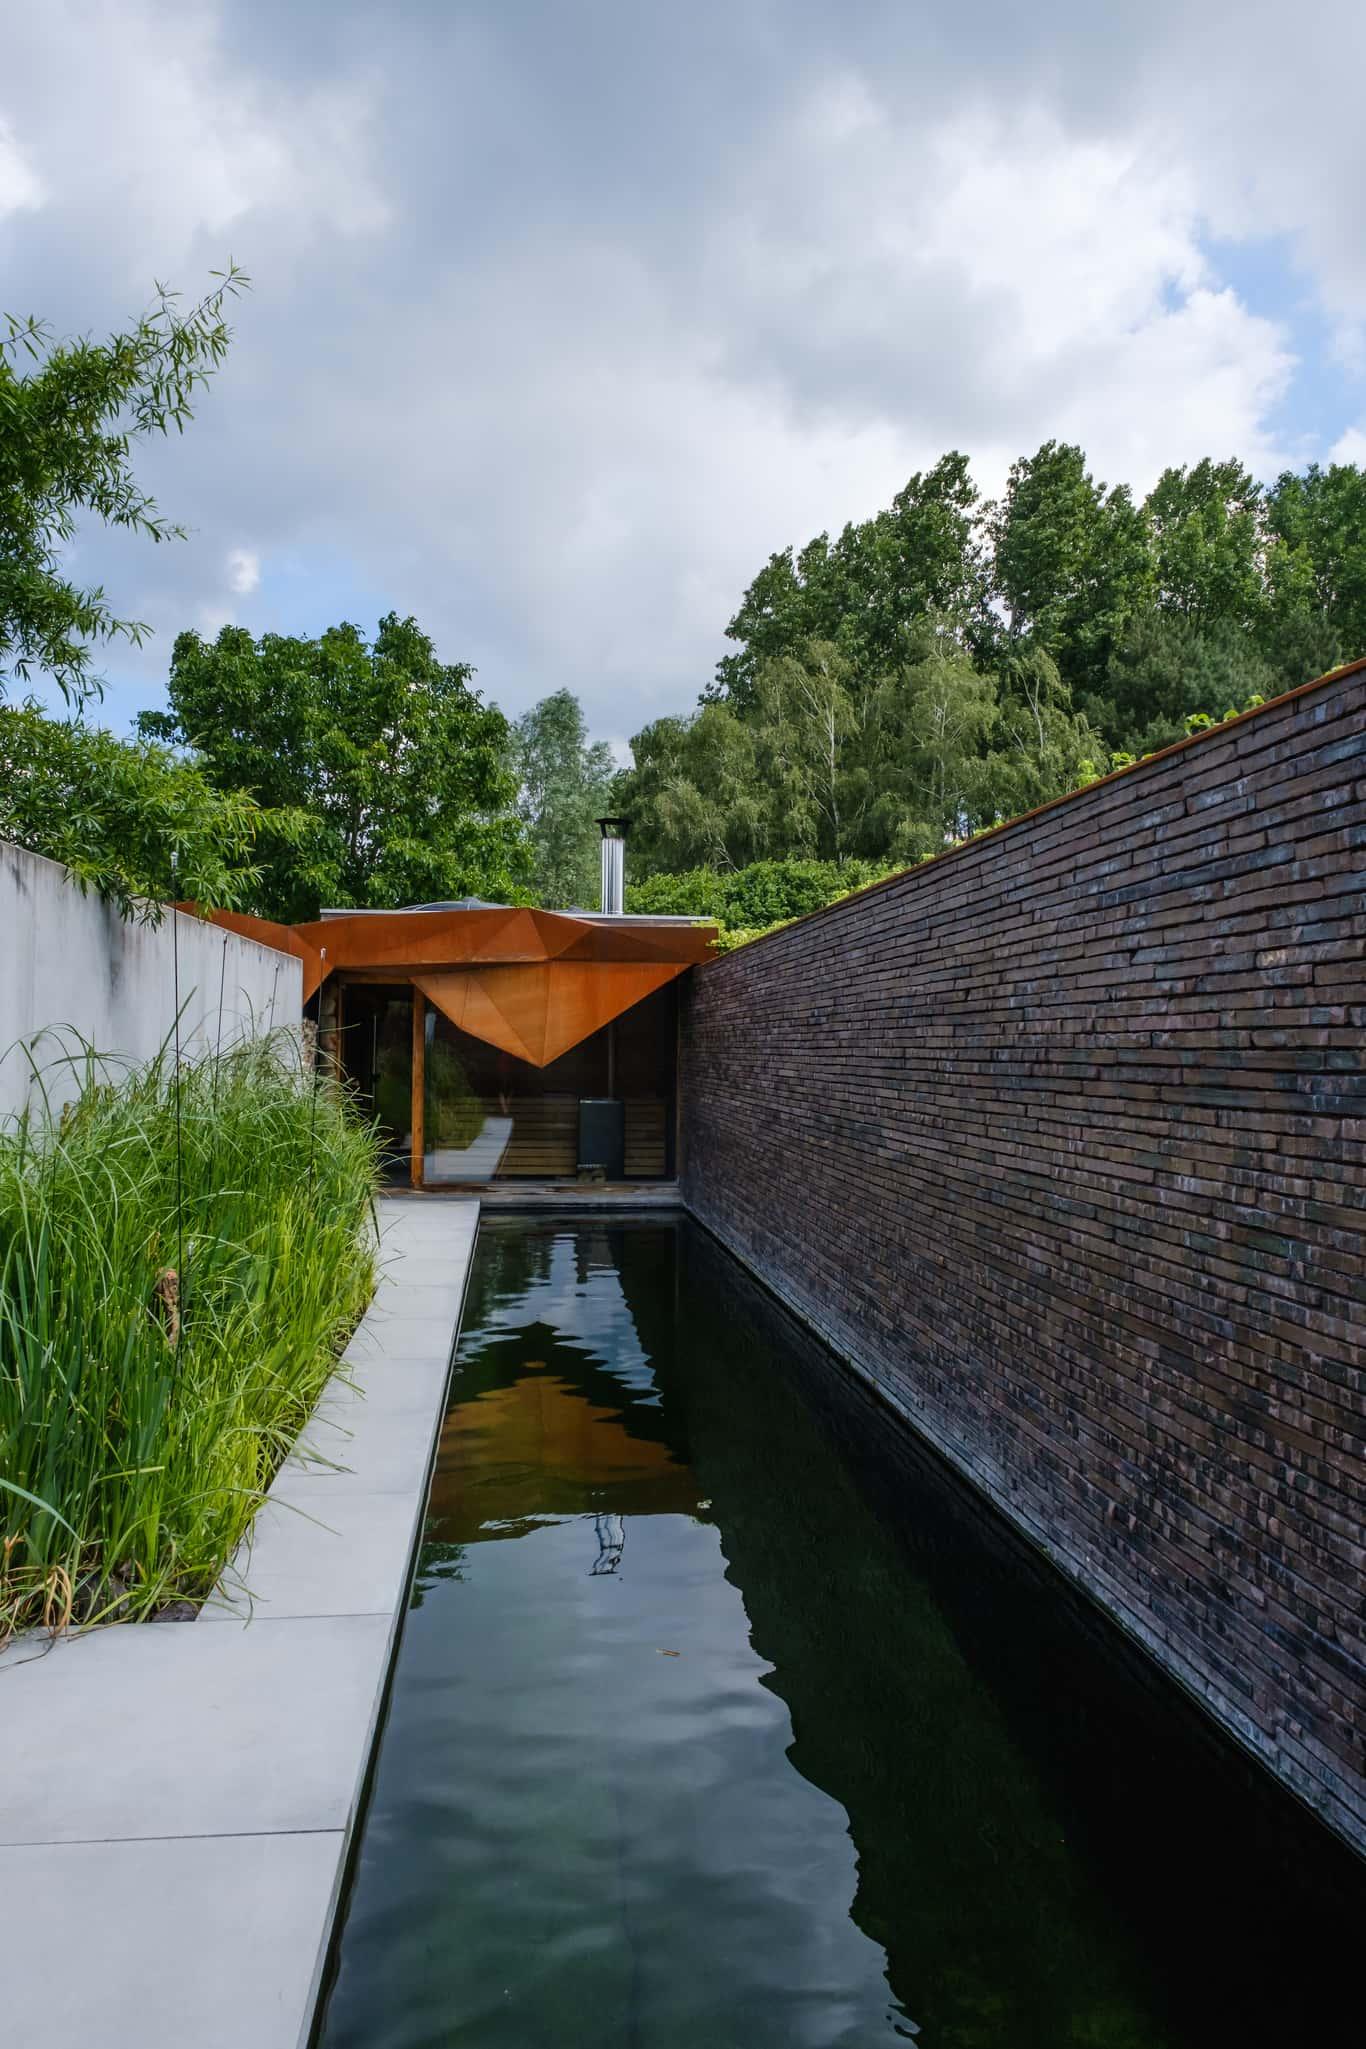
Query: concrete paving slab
{"points": [[382, 1439], [180, 1729], [401, 1211], [209, 1773], [398, 1295], [420, 1241], [440, 1258], [201, 1943], [382, 1368], [321, 1547], [395, 1336], [426, 1229]]}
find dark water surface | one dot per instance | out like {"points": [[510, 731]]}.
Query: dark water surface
{"points": [[723, 1717]]}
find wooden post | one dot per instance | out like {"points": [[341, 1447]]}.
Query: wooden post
{"points": [[419, 1084]]}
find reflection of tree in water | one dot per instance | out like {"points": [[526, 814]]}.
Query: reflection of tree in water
{"points": [[512, 1258], [437, 1564]]}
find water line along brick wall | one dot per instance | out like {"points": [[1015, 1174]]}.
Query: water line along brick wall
{"points": [[1062, 1140]]}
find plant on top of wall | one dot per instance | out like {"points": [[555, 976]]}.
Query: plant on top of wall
{"points": [[179, 1269], [748, 903], [130, 819]]}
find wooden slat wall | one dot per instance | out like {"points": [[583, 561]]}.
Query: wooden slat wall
{"points": [[545, 1137], [544, 1145], [646, 1118]]}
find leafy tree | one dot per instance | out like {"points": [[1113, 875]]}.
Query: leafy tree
{"points": [[1320, 518], [869, 593], [822, 768], [920, 563], [393, 754], [807, 730], [565, 785], [694, 796], [1209, 545], [748, 899], [117, 812], [1071, 560], [793, 599], [1167, 667], [1038, 748], [945, 664], [71, 414], [925, 743]]}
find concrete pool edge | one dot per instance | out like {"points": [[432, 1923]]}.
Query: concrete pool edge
{"points": [[211, 1771]]}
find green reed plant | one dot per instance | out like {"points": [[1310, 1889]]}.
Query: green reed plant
{"points": [[179, 1269]]}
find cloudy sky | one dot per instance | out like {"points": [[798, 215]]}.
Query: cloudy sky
{"points": [[566, 315]]}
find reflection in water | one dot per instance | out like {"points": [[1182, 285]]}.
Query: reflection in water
{"points": [[611, 1535], [815, 1758]]}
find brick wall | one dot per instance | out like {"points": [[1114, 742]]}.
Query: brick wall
{"points": [[1061, 1140]]}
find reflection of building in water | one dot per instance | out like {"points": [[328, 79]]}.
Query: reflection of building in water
{"points": [[611, 1531], [513, 1456]]}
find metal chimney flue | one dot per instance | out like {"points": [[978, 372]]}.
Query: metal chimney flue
{"points": [[613, 832]]}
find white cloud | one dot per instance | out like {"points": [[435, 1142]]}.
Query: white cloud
{"points": [[565, 319], [149, 136], [244, 570], [19, 185], [1350, 447]]}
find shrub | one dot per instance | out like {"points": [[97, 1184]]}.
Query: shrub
{"points": [[752, 898]]}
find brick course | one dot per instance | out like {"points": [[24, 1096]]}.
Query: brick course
{"points": [[1061, 1140]]}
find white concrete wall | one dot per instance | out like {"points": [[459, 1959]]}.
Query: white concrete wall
{"points": [[70, 966]]}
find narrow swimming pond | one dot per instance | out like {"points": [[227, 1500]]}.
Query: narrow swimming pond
{"points": [[725, 1718]]}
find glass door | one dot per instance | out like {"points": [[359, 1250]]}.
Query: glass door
{"points": [[377, 1064]]}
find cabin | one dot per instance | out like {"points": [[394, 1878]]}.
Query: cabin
{"points": [[492, 1042]]}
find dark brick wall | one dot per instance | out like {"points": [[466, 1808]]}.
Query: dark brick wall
{"points": [[1061, 1140]]}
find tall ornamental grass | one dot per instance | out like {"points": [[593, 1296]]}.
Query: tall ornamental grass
{"points": [[176, 1281]]}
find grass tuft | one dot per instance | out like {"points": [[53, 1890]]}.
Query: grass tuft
{"points": [[157, 1364]]}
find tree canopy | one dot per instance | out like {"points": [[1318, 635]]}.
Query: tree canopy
{"points": [[71, 415], [949, 662], [134, 821], [399, 765], [829, 764], [564, 783]]}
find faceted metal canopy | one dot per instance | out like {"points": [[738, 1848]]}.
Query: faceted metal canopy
{"points": [[533, 983], [539, 1011]]}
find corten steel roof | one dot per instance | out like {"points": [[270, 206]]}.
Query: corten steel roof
{"points": [[533, 983]]}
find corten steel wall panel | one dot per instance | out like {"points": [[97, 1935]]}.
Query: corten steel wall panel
{"points": [[1062, 1140]]}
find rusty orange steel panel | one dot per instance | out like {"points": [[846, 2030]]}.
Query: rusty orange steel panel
{"points": [[410, 942], [284, 938], [538, 1012], [419, 939]]}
